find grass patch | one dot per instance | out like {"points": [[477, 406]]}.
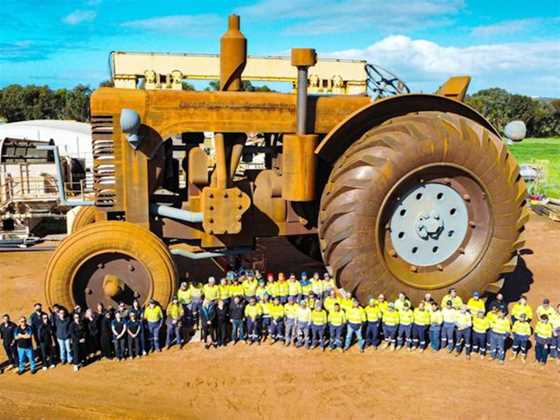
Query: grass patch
{"points": [[532, 150]]}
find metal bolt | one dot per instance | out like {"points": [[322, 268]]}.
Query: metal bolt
{"points": [[422, 180], [211, 221], [472, 224], [226, 195], [413, 268], [240, 195], [466, 197], [240, 207], [131, 267], [100, 266], [440, 267], [447, 181], [89, 291], [461, 250], [210, 195], [387, 226], [392, 253]]}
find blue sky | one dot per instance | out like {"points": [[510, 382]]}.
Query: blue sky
{"points": [[511, 44]]}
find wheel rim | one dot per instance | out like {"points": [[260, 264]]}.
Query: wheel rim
{"points": [[435, 226], [111, 277]]}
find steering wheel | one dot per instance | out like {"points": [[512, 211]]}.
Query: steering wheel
{"points": [[382, 82]]}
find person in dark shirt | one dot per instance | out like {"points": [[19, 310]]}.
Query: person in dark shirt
{"points": [[78, 336], [118, 326], [8, 333], [237, 312], [92, 342], [499, 303], [35, 320], [137, 310], [107, 335], [62, 332], [208, 322], [221, 323], [45, 335], [133, 331], [24, 344]]}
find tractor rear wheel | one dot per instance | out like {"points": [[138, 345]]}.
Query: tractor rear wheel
{"points": [[84, 217], [424, 202], [110, 262]]}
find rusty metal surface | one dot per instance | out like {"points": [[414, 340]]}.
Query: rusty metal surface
{"points": [[223, 209], [233, 55], [455, 88], [367, 179], [299, 167]]}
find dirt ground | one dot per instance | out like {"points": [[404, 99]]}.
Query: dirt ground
{"points": [[278, 382]]}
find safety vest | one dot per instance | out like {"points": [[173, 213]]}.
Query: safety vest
{"points": [[211, 292], [373, 313], [346, 304], [184, 296], [272, 288], [406, 317], [253, 311], [329, 303], [304, 314], [391, 318], [356, 315], [319, 317], [501, 326], [476, 305], [399, 304], [317, 286], [283, 288], [329, 284], [294, 288], [260, 292], [480, 325], [436, 317], [250, 287], [291, 309], [306, 289], [550, 311], [196, 291], [225, 291], [491, 316], [456, 301], [421, 317], [276, 311], [521, 328], [174, 311], [543, 330], [463, 320], [153, 314], [518, 309], [449, 315], [337, 318], [266, 308], [236, 290], [383, 306]]}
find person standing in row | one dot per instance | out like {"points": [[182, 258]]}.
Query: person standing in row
{"points": [[501, 329], [277, 313], [253, 313], [448, 330], [356, 317], [318, 325], [436, 321], [174, 320], [208, 322], [7, 334], [521, 332], [481, 325], [46, 338], [92, 324], [237, 312], [406, 318], [420, 327], [154, 317], [390, 326], [463, 322], [118, 327], [24, 344], [106, 338], [78, 336], [373, 316], [543, 337], [221, 323], [62, 332], [133, 331], [139, 315], [337, 321]]}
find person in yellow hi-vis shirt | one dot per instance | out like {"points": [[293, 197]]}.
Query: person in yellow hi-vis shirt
{"points": [[211, 290], [262, 291], [420, 327], [546, 309], [337, 320], [436, 321], [225, 292], [521, 307], [305, 284], [456, 301], [481, 325], [250, 285], [195, 289], [401, 301], [290, 312], [271, 286], [406, 318], [318, 325], [330, 300], [236, 288], [303, 324], [356, 316], [501, 327], [521, 332], [373, 318], [543, 338], [174, 314], [154, 317], [476, 304], [283, 288], [317, 285], [266, 317], [390, 326], [276, 329], [294, 288], [253, 313]]}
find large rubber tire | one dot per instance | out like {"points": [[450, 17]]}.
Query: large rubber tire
{"points": [[106, 238], [84, 217], [364, 182]]}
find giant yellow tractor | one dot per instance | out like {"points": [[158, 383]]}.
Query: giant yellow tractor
{"points": [[411, 192]]}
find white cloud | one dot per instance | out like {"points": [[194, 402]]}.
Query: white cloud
{"points": [[336, 16], [492, 64], [79, 16], [507, 27], [180, 24]]}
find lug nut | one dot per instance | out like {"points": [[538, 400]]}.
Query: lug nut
{"points": [[466, 197], [461, 250], [472, 224], [392, 253], [131, 267], [88, 291], [413, 268], [100, 266], [440, 267]]}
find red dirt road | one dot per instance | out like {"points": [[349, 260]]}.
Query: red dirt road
{"points": [[278, 382]]}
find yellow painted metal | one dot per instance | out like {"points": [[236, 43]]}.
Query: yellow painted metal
{"points": [[455, 87], [299, 167], [303, 57], [223, 209], [328, 76]]}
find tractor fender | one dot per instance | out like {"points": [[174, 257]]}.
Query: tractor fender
{"points": [[355, 125]]}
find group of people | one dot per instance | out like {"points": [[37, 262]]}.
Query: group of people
{"points": [[304, 312]]}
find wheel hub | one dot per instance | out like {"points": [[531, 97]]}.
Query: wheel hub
{"points": [[429, 224]]}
